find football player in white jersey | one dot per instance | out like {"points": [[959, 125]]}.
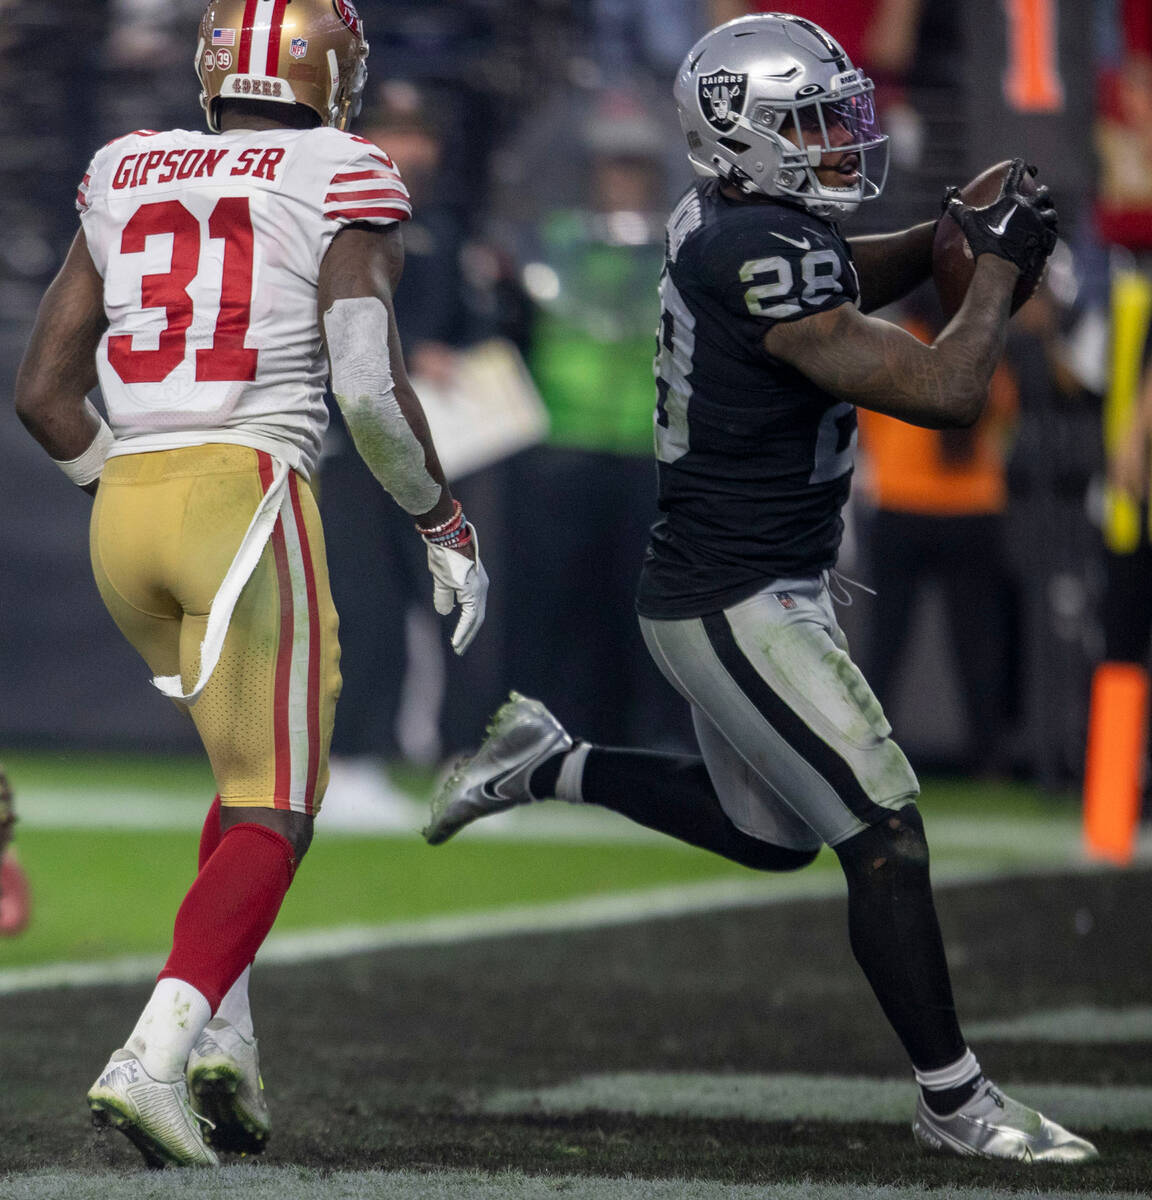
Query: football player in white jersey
{"points": [[216, 281]]}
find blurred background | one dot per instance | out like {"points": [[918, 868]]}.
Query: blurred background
{"points": [[541, 146]]}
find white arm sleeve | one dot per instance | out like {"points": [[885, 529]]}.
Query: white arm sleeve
{"points": [[357, 335]]}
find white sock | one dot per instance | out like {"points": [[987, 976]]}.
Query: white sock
{"points": [[571, 777], [168, 1027], [235, 1007], [963, 1070]]}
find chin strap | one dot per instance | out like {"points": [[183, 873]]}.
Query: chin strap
{"points": [[739, 179]]}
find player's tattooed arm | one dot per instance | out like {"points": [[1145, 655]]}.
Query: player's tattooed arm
{"points": [[880, 366], [890, 265], [59, 366]]}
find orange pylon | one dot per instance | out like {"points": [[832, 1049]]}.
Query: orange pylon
{"points": [[1113, 768]]}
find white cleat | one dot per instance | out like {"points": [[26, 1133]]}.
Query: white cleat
{"points": [[520, 736], [154, 1115], [992, 1125], [225, 1085]]}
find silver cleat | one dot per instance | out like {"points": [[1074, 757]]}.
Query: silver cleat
{"points": [[225, 1085], [520, 736], [992, 1125], [155, 1115]]}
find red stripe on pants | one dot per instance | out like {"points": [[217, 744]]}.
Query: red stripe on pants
{"points": [[282, 736]]}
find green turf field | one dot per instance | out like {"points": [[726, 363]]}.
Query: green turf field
{"points": [[102, 891], [545, 1011]]}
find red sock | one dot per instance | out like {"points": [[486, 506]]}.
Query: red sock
{"points": [[210, 835], [229, 909]]}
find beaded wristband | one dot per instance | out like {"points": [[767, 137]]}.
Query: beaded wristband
{"points": [[455, 533], [453, 522], [460, 540]]}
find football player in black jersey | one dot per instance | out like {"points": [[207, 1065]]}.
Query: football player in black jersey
{"points": [[764, 352]]}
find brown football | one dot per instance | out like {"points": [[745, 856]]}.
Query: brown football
{"points": [[952, 263]]}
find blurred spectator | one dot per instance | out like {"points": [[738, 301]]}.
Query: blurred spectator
{"points": [[1124, 131], [467, 57], [1053, 547], [631, 36], [380, 579], [939, 498], [145, 66], [1128, 597], [48, 57], [878, 35], [1028, 90], [584, 502]]}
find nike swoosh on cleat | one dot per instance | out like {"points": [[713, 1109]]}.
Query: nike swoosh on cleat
{"points": [[495, 793], [800, 243], [1001, 229]]}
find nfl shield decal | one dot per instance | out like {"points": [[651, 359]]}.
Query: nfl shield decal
{"points": [[298, 47], [722, 95]]}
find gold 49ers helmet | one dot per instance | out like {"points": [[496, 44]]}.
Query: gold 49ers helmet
{"points": [[309, 52]]}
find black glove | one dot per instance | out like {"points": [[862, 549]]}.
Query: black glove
{"points": [[1014, 226]]}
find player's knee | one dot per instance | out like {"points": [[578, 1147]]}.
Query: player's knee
{"points": [[894, 847], [295, 828], [301, 839]]}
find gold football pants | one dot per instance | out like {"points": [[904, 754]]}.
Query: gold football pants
{"points": [[165, 528]]}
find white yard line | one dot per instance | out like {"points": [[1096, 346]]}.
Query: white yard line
{"points": [[398, 813], [588, 912], [1085, 1026], [787, 1097]]}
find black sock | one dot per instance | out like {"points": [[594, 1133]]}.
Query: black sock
{"points": [[542, 782], [896, 938], [943, 1101], [673, 794]]}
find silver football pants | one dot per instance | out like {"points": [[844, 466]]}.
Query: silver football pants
{"points": [[796, 744]]}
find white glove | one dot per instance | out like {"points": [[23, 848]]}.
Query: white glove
{"points": [[459, 580]]}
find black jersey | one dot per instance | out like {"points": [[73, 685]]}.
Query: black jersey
{"points": [[754, 460]]}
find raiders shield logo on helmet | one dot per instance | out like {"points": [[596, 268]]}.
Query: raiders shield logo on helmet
{"points": [[722, 95]]}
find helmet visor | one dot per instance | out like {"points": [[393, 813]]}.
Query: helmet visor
{"points": [[848, 124], [828, 133]]}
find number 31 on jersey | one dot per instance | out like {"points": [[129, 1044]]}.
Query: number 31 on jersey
{"points": [[227, 359]]}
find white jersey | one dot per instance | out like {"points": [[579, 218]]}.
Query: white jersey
{"points": [[210, 248]]}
